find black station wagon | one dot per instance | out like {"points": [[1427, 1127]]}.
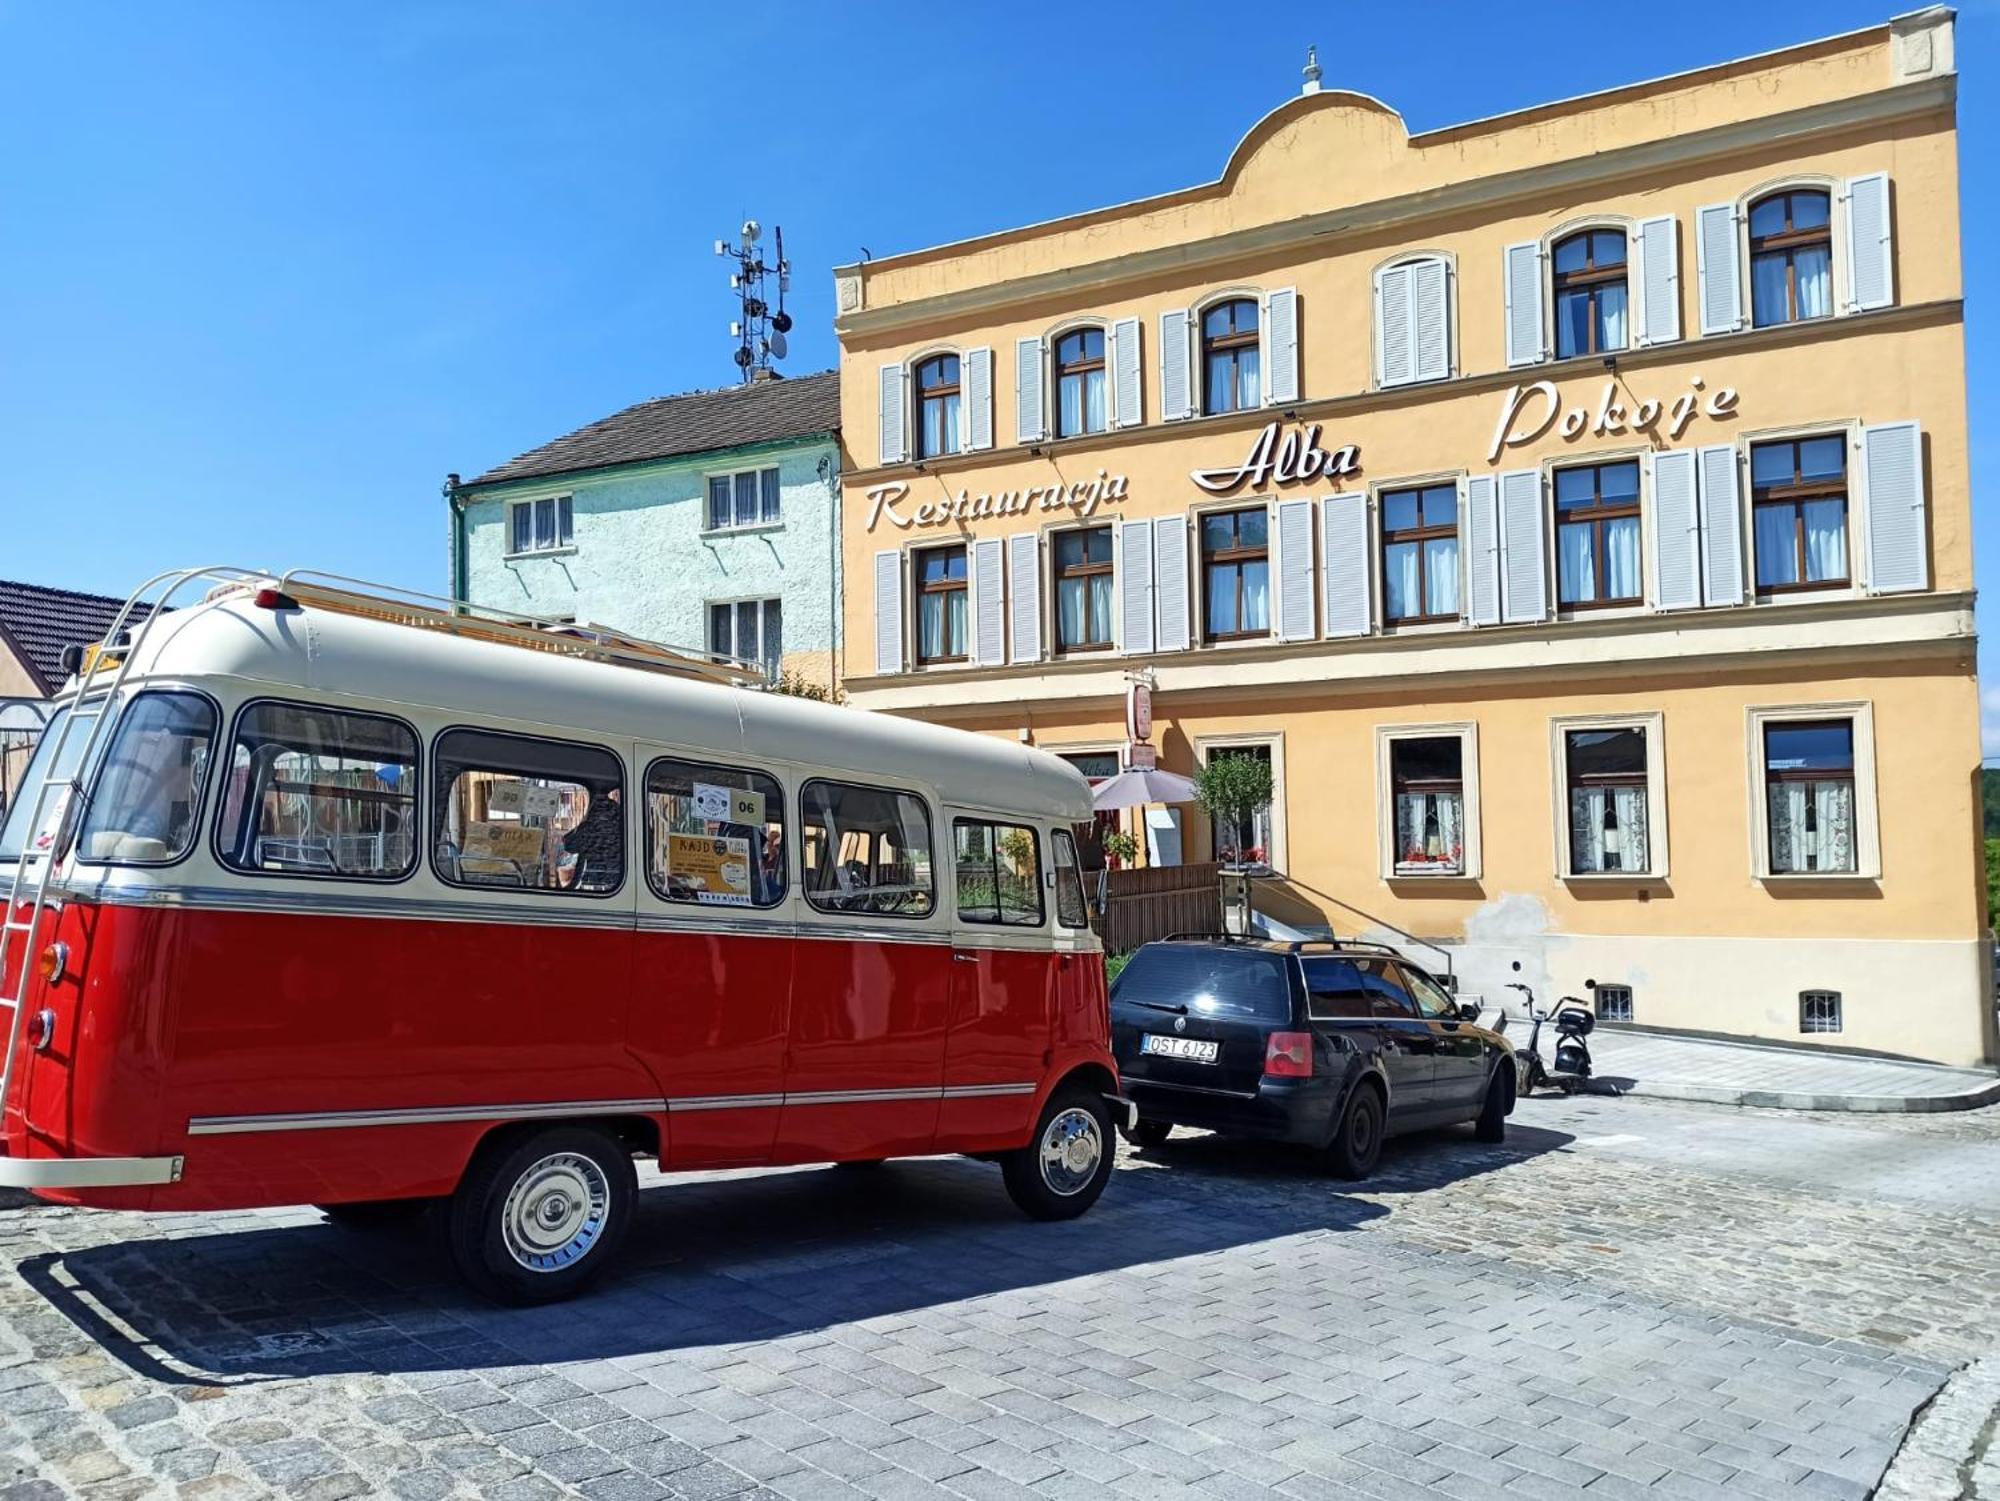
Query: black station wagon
{"points": [[1331, 1045]]}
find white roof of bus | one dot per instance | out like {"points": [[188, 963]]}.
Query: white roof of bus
{"points": [[308, 651]]}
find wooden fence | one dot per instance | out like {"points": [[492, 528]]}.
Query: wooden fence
{"points": [[1142, 905]]}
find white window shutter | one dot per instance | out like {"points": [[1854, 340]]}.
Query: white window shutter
{"points": [[888, 612], [1394, 357], [1294, 570], [1718, 269], [1892, 466], [1676, 531], [895, 430], [978, 399], [1430, 320], [1344, 573], [1176, 391], [1281, 346], [1024, 580], [1479, 525], [1170, 583], [989, 602], [1524, 305], [1523, 558], [1659, 275], [1721, 527], [1871, 271], [1029, 426], [1128, 407], [1135, 588]]}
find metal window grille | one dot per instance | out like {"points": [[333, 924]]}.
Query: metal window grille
{"points": [[1614, 1003], [1819, 1011]]}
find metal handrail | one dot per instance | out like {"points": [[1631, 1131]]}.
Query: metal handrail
{"points": [[1437, 948]]}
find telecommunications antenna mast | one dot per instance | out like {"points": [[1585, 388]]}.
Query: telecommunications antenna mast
{"points": [[761, 329]]}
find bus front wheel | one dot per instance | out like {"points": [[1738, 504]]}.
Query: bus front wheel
{"points": [[1063, 1169], [541, 1213]]}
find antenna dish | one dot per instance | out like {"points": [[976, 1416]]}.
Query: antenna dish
{"points": [[776, 343], [781, 321], [752, 231]]}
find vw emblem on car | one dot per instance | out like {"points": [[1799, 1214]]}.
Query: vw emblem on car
{"points": [[1180, 1024]]}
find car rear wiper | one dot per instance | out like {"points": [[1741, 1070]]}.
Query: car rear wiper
{"points": [[1178, 1010]]}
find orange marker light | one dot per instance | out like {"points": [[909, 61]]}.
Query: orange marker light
{"points": [[54, 962]]}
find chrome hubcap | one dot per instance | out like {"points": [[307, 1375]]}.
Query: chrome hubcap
{"points": [[1072, 1147], [556, 1212]]}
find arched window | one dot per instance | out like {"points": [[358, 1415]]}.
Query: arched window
{"points": [[1590, 293], [1080, 382], [1791, 257], [1230, 379], [937, 406]]}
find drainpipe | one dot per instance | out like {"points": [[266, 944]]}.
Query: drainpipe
{"points": [[829, 473], [456, 500]]}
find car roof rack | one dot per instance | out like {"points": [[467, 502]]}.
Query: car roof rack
{"points": [[1291, 945]]}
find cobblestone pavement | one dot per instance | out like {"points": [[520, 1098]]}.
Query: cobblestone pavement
{"points": [[1629, 1295]]}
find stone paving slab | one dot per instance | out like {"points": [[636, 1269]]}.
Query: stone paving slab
{"points": [[1733, 1073], [1591, 1309]]}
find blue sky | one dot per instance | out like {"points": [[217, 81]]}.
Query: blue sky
{"points": [[269, 272]]}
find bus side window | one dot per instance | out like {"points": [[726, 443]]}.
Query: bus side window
{"points": [[320, 792], [714, 835], [868, 849], [999, 873], [147, 801], [1070, 909], [520, 813]]}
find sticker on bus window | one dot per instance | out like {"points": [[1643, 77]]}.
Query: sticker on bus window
{"points": [[523, 801], [504, 841], [715, 804], [704, 869]]}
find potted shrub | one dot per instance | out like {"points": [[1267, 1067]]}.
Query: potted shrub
{"points": [[1233, 790], [1120, 848]]}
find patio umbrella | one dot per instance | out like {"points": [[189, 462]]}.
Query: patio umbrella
{"points": [[1135, 789]]}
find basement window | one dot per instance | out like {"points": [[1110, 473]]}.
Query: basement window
{"points": [[1819, 1011], [1614, 1003]]}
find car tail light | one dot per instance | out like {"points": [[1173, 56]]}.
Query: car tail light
{"points": [[1289, 1055]]}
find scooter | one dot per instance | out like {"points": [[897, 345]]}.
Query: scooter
{"points": [[1574, 1021]]}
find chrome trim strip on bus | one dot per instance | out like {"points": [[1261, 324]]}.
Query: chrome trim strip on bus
{"points": [[332, 1120], [329, 1120], [88, 1172]]}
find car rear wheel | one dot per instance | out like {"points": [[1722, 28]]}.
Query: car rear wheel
{"points": [[1357, 1140], [540, 1215], [1492, 1122], [1064, 1167], [1149, 1133]]}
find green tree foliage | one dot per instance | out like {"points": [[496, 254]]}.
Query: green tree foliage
{"points": [[1993, 880], [1233, 788]]}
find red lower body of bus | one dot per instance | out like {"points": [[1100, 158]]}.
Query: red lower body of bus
{"points": [[200, 1058]]}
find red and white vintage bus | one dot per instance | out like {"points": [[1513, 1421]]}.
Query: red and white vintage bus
{"points": [[324, 894]]}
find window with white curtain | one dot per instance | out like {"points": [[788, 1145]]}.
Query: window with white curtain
{"points": [[1081, 560], [1605, 770], [1420, 554], [1079, 373], [1236, 574], [1791, 257], [750, 630], [1597, 535], [540, 525], [1427, 777], [753, 497], [1809, 796], [1590, 292], [1798, 509]]}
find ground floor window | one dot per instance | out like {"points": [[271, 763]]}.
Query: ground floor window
{"points": [[1819, 1011], [1428, 775], [1809, 793], [1614, 1003], [1608, 821], [1245, 840], [751, 630]]}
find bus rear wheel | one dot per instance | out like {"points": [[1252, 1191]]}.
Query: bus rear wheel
{"points": [[1064, 1167], [540, 1214]]}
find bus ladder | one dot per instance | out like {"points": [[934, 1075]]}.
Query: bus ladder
{"points": [[37, 863]]}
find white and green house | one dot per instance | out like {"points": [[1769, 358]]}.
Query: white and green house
{"points": [[709, 521]]}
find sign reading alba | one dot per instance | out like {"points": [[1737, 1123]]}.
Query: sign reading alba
{"points": [[1294, 459]]}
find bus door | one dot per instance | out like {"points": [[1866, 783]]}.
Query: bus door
{"points": [[715, 954], [1004, 978], [866, 1063]]}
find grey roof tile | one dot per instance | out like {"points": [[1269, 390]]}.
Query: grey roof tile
{"points": [[670, 427], [39, 622]]}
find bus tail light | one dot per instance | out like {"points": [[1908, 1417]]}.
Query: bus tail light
{"points": [[1289, 1055], [42, 1030], [54, 962]]}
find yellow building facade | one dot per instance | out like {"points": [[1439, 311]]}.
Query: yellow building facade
{"points": [[1571, 506]]}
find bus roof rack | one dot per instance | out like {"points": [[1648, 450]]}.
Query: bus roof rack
{"points": [[591, 642]]}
